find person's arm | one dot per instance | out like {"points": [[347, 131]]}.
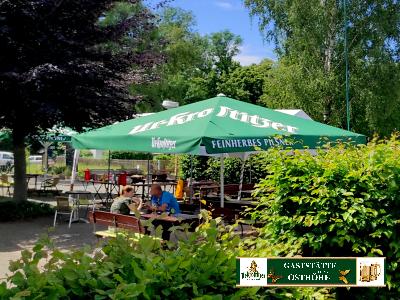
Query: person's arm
{"points": [[163, 207], [137, 203], [166, 200]]}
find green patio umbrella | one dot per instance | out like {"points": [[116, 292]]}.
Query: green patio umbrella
{"points": [[216, 125], [213, 127]]}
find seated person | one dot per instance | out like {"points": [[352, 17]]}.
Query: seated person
{"points": [[163, 201], [125, 203]]}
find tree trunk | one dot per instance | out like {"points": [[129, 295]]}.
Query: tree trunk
{"points": [[20, 186], [69, 155]]}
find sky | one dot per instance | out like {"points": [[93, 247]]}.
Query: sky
{"points": [[217, 15]]}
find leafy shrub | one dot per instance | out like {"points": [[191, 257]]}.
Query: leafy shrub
{"points": [[130, 155], [11, 210], [58, 170], [199, 166], [208, 168], [201, 267], [345, 201]]}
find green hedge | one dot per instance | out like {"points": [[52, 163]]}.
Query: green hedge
{"points": [[131, 155], [12, 211], [201, 267], [208, 168], [345, 201]]}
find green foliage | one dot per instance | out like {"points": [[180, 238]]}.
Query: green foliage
{"points": [[246, 83], [12, 211], [131, 155], [310, 75], [195, 64], [208, 168], [342, 202], [58, 170], [202, 266], [163, 157], [193, 166]]}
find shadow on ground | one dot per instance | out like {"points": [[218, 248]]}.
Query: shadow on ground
{"points": [[16, 236]]}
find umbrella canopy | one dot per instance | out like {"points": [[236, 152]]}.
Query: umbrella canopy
{"points": [[216, 125]]}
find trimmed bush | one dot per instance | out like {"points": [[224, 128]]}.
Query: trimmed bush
{"points": [[208, 168], [130, 155], [12, 211], [345, 201]]}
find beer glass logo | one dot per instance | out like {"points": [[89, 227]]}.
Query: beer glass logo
{"points": [[370, 272]]}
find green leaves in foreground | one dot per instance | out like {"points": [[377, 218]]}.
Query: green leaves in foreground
{"points": [[345, 201], [202, 266]]}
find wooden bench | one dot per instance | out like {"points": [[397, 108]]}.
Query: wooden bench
{"points": [[120, 224]]}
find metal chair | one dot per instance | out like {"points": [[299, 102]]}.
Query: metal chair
{"points": [[50, 183], [63, 208]]}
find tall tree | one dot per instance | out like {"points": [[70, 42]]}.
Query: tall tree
{"points": [[246, 83], [184, 52], [69, 62], [194, 64], [309, 37]]}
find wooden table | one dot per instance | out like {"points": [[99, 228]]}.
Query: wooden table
{"points": [[29, 176], [167, 218], [167, 221]]}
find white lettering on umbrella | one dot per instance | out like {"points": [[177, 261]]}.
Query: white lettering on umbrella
{"points": [[178, 119], [224, 112], [254, 120], [242, 143], [140, 128], [158, 143]]}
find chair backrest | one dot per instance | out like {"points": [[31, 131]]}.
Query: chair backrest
{"points": [[116, 220], [188, 208], [4, 178], [233, 189], [227, 214], [55, 181], [63, 203]]}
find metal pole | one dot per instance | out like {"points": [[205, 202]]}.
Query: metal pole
{"points": [[191, 180], [222, 181], [346, 58], [108, 174], [74, 169], [241, 180], [149, 178]]}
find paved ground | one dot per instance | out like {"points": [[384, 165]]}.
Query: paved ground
{"points": [[16, 236]]}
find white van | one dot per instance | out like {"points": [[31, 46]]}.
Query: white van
{"points": [[6, 158], [35, 159]]}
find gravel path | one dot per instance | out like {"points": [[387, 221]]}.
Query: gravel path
{"points": [[16, 236]]}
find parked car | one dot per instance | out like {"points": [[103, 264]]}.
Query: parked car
{"points": [[35, 159], [6, 158], [38, 159]]}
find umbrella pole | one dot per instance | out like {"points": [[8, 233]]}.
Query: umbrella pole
{"points": [[221, 177], [191, 180], [148, 178], [241, 180], [108, 174], [74, 169]]}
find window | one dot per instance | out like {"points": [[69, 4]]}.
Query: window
{"points": [[7, 156]]}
